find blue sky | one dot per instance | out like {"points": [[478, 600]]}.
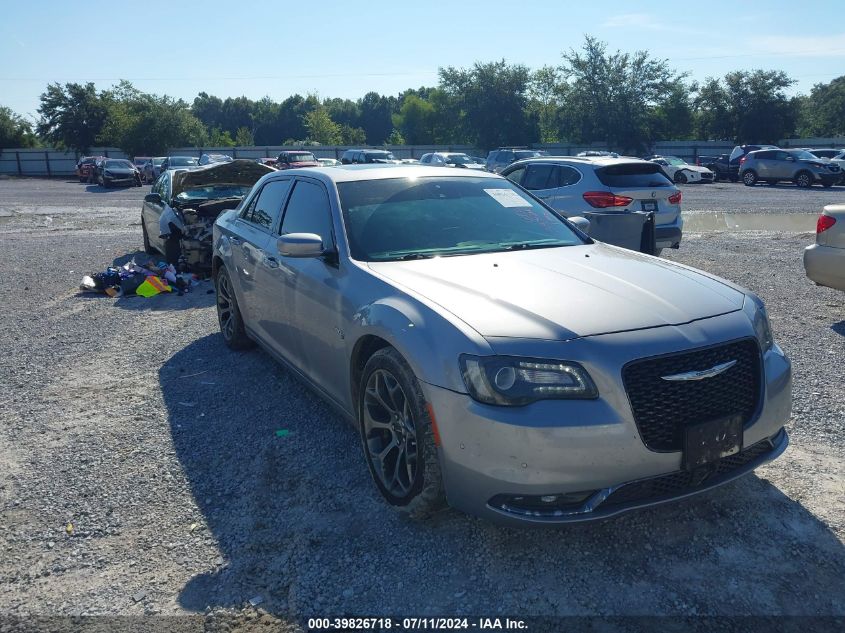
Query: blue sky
{"points": [[345, 49]]}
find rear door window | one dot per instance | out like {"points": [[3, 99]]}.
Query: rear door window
{"points": [[633, 175], [539, 177]]}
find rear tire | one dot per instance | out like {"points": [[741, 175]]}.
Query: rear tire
{"points": [[803, 180], [749, 178], [229, 314], [148, 248], [398, 437]]}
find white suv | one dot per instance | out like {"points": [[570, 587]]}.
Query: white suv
{"points": [[617, 195]]}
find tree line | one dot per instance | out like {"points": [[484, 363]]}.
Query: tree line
{"points": [[629, 100]]}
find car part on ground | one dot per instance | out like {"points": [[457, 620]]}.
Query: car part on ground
{"points": [[797, 166], [824, 261], [178, 214], [489, 352], [617, 195]]}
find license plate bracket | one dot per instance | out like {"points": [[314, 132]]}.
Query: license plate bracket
{"points": [[649, 206], [710, 441]]}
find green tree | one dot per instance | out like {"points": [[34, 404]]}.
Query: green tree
{"points": [[822, 112], [672, 118], [415, 120], [352, 135], [712, 111], [73, 115], [611, 97], [395, 138], [544, 90], [15, 131], [376, 117], [148, 124], [321, 129], [244, 137], [208, 109], [220, 138], [491, 99]]}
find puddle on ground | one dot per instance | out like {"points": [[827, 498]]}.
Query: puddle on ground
{"points": [[798, 222]]}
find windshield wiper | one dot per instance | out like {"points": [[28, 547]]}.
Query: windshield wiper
{"points": [[524, 246]]}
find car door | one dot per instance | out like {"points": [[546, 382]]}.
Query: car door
{"points": [[255, 229], [154, 208], [304, 306]]}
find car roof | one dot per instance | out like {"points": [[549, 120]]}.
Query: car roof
{"points": [[586, 160], [351, 173]]}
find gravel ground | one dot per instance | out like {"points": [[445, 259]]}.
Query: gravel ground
{"points": [[142, 473]]}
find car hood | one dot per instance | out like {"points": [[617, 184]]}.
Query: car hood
{"points": [[241, 172], [305, 163], [698, 168], [563, 293]]}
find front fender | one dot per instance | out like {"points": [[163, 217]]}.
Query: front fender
{"points": [[429, 342]]}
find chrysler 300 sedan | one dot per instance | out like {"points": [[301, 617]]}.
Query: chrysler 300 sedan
{"points": [[491, 355]]}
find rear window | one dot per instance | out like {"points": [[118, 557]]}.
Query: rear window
{"points": [[633, 175], [526, 154]]}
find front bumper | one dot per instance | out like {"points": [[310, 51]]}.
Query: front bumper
{"points": [[590, 448], [825, 265]]}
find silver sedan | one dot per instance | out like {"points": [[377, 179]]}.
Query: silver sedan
{"points": [[492, 355]]}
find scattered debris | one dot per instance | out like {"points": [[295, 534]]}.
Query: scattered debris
{"points": [[140, 595], [69, 529], [256, 601], [142, 277], [282, 433]]}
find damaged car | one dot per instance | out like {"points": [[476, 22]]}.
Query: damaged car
{"points": [[178, 214]]}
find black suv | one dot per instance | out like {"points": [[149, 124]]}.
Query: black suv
{"points": [[363, 156], [500, 158]]}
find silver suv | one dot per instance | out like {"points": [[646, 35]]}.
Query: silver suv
{"points": [[797, 165], [617, 195]]}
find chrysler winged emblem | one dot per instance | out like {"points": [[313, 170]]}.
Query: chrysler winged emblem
{"points": [[702, 374]]}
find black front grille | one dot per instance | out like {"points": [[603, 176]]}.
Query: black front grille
{"points": [[663, 408], [683, 481]]}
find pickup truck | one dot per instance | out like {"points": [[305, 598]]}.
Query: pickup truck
{"points": [[720, 166]]}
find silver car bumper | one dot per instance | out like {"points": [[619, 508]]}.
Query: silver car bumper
{"points": [[825, 265], [588, 453]]}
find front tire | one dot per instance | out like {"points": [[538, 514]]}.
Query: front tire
{"points": [[681, 177], [229, 314], [749, 178], [398, 437], [804, 180]]}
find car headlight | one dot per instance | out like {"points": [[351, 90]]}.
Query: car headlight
{"points": [[512, 381], [756, 313]]}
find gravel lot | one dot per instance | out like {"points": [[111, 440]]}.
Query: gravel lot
{"points": [[130, 420]]}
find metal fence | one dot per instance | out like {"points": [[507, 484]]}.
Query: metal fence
{"points": [[53, 162]]}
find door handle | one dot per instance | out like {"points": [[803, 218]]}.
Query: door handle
{"points": [[271, 262]]}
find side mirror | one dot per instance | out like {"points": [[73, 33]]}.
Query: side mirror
{"points": [[153, 198], [300, 245], [580, 222]]}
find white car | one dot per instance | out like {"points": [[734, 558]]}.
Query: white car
{"points": [[824, 261], [328, 162], [450, 159], [834, 156], [681, 171]]}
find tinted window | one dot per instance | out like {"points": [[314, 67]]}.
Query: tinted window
{"points": [[775, 155], [403, 217], [526, 154], [516, 174], [568, 176], [267, 206], [538, 177], [504, 157], [181, 161], [633, 175], [308, 211], [426, 159]]}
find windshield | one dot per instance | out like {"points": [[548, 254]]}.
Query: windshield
{"points": [[674, 160], [119, 164], [802, 155], [182, 161], [214, 192], [158, 161], [372, 157], [458, 159], [409, 218], [302, 157]]}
